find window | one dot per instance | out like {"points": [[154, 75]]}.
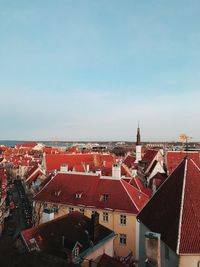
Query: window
{"points": [[78, 194], [76, 252], [71, 209], [104, 197], [55, 208], [93, 212], [123, 219], [82, 211], [122, 239], [105, 216]]}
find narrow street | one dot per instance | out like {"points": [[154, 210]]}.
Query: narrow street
{"points": [[19, 218]]}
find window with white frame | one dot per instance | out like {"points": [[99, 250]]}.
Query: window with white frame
{"points": [[105, 216], [123, 219], [122, 239], [82, 211], [78, 194], [71, 209], [76, 252]]}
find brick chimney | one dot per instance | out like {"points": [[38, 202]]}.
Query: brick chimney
{"points": [[94, 230]]}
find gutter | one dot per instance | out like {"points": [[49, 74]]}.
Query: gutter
{"points": [[93, 248]]}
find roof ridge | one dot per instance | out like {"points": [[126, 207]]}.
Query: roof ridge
{"points": [[181, 207], [32, 174], [161, 186], [129, 194], [136, 183], [195, 163], [45, 185]]}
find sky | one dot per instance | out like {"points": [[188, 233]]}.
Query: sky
{"points": [[90, 70]]}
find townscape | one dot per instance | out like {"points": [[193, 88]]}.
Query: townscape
{"points": [[88, 204], [100, 136]]}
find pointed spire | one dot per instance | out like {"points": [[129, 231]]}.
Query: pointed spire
{"points": [[138, 141]]}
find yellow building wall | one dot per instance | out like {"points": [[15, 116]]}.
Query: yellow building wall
{"points": [[113, 224], [189, 261]]}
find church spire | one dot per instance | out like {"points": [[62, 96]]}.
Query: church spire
{"points": [[138, 141]]}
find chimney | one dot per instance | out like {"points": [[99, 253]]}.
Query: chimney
{"points": [[64, 168], [116, 171], [87, 168], [98, 172], [94, 230]]}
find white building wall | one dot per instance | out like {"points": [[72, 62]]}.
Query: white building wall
{"points": [[138, 153], [47, 217]]}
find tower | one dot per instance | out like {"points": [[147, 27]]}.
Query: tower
{"points": [[138, 138], [138, 146]]}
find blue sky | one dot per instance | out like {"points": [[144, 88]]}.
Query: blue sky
{"points": [[90, 70]]}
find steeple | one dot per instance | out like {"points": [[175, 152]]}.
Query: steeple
{"points": [[138, 141]]}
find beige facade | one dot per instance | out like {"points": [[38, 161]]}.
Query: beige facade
{"points": [[123, 224], [189, 260]]}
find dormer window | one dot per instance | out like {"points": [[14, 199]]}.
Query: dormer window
{"points": [[104, 197], [76, 252], [57, 193], [78, 194]]}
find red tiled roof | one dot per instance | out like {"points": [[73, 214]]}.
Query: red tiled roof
{"points": [[175, 209], [79, 168], [73, 149], [138, 197], [45, 181], [93, 188], [190, 225], [129, 161], [175, 157], [54, 161], [135, 181], [50, 150], [149, 157], [32, 170], [34, 177], [27, 144], [72, 226]]}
